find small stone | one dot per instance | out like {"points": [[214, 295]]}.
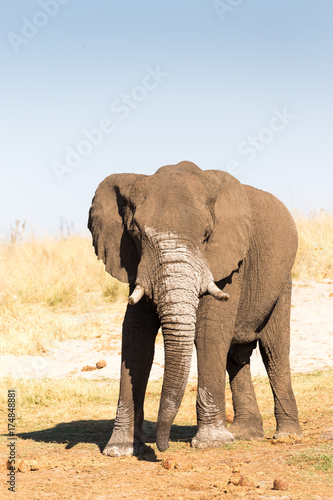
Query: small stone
{"points": [[246, 481], [289, 439], [23, 466], [33, 464], [331, 294], [88, 368], [280, 484], [100, 364], [168, 463], [236, 478], [230, 418]]}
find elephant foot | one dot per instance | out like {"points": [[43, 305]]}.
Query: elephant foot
{"points": [[247, 430], [113, 449], [292, 428], [212, 436]]}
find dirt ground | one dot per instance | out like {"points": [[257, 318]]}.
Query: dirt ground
{"points": [[83, 473], [52, 468]]}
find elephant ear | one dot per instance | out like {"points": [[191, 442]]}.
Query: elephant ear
{"points": [[111, 240], [230, 238]]}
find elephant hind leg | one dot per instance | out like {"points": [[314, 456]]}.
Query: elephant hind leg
{"points": [[274, 347], [247, 422]]}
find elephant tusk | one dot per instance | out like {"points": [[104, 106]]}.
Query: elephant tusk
{"points": [[216, 292], [137, 294]]}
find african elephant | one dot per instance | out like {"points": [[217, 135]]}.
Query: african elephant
{"points": [[209, 260]]}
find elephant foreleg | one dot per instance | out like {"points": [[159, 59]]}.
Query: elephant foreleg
{"points": [[139, 331], [274, 347], [247, 422], [212, 348]]}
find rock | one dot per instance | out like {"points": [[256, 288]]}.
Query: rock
{"points": [[280, 484], [23, 466], [290, 439], [100, 364], [246, 481], [230, 418], [168, 463], [88, 368], [236, 478], [33, 464]]}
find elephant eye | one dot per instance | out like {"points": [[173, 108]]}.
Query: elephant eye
{"points": [[207, 234], [137, 233], [134, 231]]}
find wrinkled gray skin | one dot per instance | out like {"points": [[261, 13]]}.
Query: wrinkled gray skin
{"points": [[173, 234]]}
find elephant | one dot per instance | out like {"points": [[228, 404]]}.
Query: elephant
{"points": [[208, 260]]}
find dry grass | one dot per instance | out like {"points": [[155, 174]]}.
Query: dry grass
{"points": [[42, 402], [53, 273], [313, 392], [45, 283], [315, 249]]}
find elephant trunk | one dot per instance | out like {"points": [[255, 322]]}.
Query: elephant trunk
{"points": [[178, 317], [176, 289]]}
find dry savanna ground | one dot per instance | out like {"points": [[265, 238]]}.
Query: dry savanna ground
{"points": [[54, 290]]}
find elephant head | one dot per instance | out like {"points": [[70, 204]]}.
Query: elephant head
{"points": [[172, 235]]}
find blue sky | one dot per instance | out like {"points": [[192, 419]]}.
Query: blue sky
{"points": [[244, 86]]}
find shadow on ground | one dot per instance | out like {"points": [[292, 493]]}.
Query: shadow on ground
{"points": [[98, 432]]}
